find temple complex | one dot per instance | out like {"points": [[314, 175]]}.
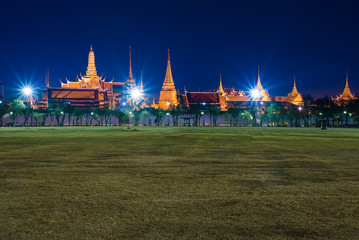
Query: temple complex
{"points": [[92, 91], [168, 94], [346, 95]]}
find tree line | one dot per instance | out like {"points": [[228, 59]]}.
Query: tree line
{"points": [[322, 111]]}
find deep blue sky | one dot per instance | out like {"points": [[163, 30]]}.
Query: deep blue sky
{"points": [[315, 40]]}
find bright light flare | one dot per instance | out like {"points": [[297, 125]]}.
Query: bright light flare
{"points": [[136, 93], [300, 108], [255, 93], [27, 91]]}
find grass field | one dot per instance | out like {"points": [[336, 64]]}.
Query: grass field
{"points": [[179, 183]]}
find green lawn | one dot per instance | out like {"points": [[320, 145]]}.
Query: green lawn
{"points": [[179, 183]]}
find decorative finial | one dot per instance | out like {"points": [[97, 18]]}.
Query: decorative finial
{"points": [[91, 47], [168, 54], [347, 79], [259, 84], [130, 76]]}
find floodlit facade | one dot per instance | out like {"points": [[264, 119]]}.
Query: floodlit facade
{"points": [[92, 91]]}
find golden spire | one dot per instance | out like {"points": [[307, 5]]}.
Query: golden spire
{"points": [[130, 76], [294, 91], [47, 78], [259, 85], [168, 78], [141, 86], [346, 93], [220, 89], [91, 68]]}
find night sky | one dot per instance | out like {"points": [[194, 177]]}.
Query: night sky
{"points": [[315, 40]]}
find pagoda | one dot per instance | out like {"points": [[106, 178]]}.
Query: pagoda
{"points": [[90, 80], [168, 94], [346, 95], [263, 93], [295, 97]]}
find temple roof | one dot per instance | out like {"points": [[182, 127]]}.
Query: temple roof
{"points": [[202, 97], [294, 91], [168, 78], [346, 93], [259, 84], [220, 89], [91, 68]]}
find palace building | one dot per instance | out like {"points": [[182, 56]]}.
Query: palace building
{"points": [[92, 91]]}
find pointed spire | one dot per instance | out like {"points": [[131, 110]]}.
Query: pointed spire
{"points": [[294, 91], [141, 86], [220, 89], [184, 88], [130, 76], [259, 84], [91, 68], [346, 93], [47, 78], [168, 78]]}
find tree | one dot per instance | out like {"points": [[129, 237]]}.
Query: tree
{"points": [[4, 109], [27, 112], [158, 114], [145, 114], [69, 111], [247, 115], [307, 109], [213, 115], [57, 111], [175, 111], [233, 114], [137, 115], [16, 108], [121, 116], [197, 113], [272, 112], [37, 116]]}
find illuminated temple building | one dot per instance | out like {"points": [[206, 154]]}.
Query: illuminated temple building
{"points": [[223, 98], [346, 95], [168, 94], [91, 90]]}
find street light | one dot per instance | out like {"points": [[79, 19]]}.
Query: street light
{"points": [[255, 93], [345, 112], [300, 108], [136, 93], [204, 104], [91, 113], [27, 91], [124, 104]]}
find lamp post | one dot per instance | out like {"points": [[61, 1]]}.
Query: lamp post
{"points": [[255, 94]]}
